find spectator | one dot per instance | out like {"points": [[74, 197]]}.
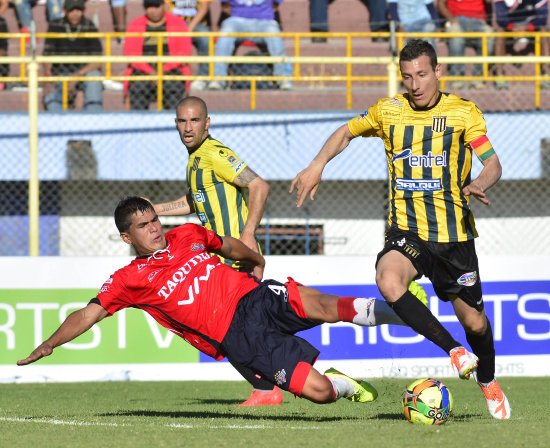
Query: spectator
{"points": [[23, 11], [156, 19], [415, 16], [248, 17], [118, 13], [4, 68], [196, 14], [378, 17], [466, 16], [73, 21], [527, 15]]}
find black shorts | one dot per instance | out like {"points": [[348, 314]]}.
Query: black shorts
{"points": [[451, 267], [261, 337]]}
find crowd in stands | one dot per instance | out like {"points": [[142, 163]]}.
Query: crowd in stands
{"points": [[244, 16]]}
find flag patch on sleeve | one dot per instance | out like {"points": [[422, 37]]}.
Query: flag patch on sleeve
{"points": [[482, 147]]}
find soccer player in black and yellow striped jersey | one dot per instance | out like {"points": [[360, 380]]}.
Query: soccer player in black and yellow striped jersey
{"points": [[217, 179], [429, 138]]}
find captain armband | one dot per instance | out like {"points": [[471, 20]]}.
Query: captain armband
{"points": [[482, 147]]}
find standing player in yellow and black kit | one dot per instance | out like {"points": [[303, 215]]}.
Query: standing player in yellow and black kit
{"points": [[217, 180], [429, 137]]}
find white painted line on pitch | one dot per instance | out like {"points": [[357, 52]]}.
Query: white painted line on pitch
{"points": [[58, 422], [170, 425]]}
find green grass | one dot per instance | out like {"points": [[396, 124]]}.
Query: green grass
{"points": [[203, 414]]}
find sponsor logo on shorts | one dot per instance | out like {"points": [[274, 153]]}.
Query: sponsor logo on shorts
{"points": [[280, 377], [468, 279], [418, 184], [406, 247]]}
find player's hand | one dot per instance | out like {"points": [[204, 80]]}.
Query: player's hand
{"points": [[39, 352], [258, 271], [306, 181], [478, 193], [250, 241]]}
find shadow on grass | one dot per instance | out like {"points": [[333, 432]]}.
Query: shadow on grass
{"points": [[229, 415]]}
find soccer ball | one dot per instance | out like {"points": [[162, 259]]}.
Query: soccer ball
{"points": [[427, 402]]}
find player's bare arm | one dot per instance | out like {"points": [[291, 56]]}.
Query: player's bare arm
{"points": [[234, 249], [258, 190], [181, 206], [308, 181], [489, 176], [76, 323]]}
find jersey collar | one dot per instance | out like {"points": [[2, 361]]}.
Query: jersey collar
{"points": [[423, 109]]}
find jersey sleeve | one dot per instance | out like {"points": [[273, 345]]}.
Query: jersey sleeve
{"points": [[112, 295], [227, 165], [476, 135], [366, 124]]}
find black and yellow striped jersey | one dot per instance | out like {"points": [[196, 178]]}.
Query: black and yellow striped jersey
{"points": [[219, 204], [429, 155]]}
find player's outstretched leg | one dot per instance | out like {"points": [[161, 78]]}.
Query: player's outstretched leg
{"points": [[353, 390], [497, 403], [370, 312], [257, 397], [463, 362]]}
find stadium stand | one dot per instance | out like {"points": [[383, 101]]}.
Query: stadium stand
{"points": [[344, 16]]}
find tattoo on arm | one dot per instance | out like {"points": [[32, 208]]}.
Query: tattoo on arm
{"points": [[174, 206], [246, 177]]}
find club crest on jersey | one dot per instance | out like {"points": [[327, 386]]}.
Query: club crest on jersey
{"points": [[195, 166], [197, 246], [439, 123], [280, 376]]}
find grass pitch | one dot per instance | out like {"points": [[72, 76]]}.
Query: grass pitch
{"points": [[203, 414]]}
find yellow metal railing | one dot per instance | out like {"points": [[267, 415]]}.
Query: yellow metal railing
{"points": [[297, 61]]}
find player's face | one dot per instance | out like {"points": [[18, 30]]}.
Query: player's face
{"points": [[145, 233], [192, 125], [421, 81]]}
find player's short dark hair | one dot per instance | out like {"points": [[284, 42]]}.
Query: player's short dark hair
{"points": [[193, 99], [416, 48], [126, 208]]}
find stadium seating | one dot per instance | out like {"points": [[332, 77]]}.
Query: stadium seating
{"points": [[345, 15]]}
